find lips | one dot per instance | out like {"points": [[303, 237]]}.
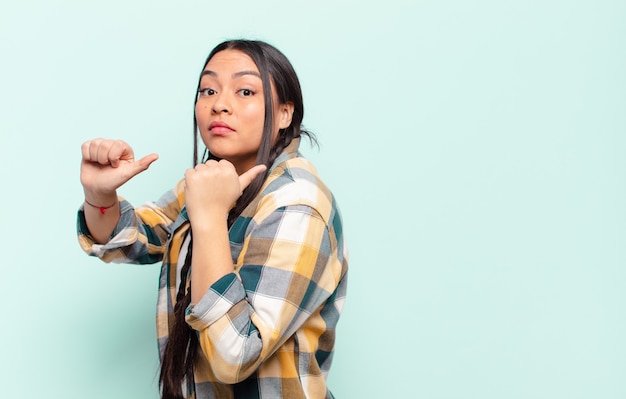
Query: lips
{"points": [[220, 128]]}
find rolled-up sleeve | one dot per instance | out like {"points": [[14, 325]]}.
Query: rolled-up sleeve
{"points": [[218, 301], [141, 234]]}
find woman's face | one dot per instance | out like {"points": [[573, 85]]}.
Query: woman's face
{"points": [[230, 110]]}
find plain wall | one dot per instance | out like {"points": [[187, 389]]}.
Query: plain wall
{"points": [[476, 148]]}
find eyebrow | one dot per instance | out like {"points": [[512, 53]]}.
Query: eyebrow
{"points": [[235, 75]]}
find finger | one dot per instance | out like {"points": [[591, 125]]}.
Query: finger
{"points": [[84, 149], [119, 151], [102, 152], [93, 149], [143, 164], [188, 173], [246, 178]]}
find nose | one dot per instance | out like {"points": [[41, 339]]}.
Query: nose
{"points": [[221, 104]]}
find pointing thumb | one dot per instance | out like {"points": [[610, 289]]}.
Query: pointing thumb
{"points": [[246, 178], [144, 163]]}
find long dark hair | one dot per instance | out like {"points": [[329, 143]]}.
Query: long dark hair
{"points": [[274, 68]]}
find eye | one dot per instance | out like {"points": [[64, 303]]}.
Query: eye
{"points": [[206, 92], [246, 92]]}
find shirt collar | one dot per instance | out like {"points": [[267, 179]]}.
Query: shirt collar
{"points": [[290, 152]]}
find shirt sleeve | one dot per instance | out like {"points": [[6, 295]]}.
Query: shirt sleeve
{"points": [[284, 274], [141, 235]]}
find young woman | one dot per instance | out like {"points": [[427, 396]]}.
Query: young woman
{"points": [[254, 268]]}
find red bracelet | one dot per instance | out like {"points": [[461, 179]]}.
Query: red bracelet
{"points": [[102, 208]]}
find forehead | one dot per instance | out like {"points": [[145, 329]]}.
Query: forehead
{"points": [[230, 61]]}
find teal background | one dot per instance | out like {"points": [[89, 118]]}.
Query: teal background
{"points": [[476, 148]]}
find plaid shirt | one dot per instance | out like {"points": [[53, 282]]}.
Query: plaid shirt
{"points": [[266, 330]]}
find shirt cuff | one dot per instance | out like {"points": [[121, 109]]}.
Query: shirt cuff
{"points": [[124, 233], [216, 302]]}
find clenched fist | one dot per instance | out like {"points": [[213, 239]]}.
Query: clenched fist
{"points": [[212, 188], [107, 164]]}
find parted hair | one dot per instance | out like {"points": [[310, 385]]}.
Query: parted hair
{"points": [[275, 69]]}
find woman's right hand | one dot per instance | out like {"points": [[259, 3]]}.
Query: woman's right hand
{"points": [[107, 164]]}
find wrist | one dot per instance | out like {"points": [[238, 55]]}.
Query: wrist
{"points": [[101, 208], [100, 198], [100, 201], [208, 222]]}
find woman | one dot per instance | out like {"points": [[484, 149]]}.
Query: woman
{"points": [[254, 267]]}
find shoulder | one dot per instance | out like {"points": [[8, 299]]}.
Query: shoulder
{"points": [[295, 182]]}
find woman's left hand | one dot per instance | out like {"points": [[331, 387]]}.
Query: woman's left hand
{"points": [[212, 188]]}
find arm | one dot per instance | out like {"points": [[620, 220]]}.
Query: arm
{"points": [[141, 235], [208, 209], [288, 269], [110, 227]]}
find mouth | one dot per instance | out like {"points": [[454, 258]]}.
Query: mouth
{"points": [[220, 128]]}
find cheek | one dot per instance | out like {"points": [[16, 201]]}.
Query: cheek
{"points": [[201, 116], [256, 114], [201, 110]]}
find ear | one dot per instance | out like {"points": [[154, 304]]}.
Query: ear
{"points": [[285, 112]]}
